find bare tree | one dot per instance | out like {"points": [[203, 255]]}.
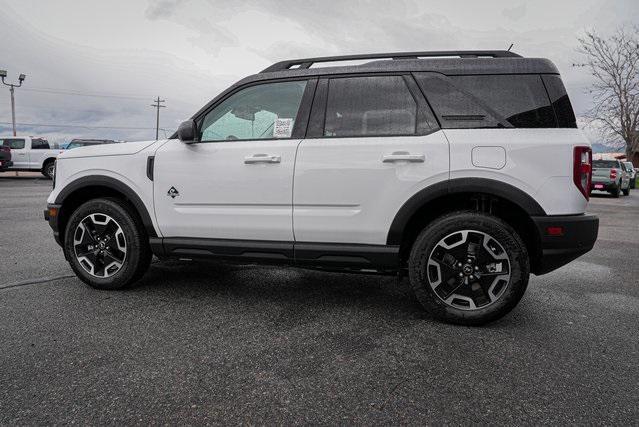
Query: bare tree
{"points": [[614, 64]]}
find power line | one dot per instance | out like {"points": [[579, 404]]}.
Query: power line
{"points": [[85, 94], [80, 126]]}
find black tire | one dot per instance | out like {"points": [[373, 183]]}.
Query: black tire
{"points": [[48, 169], [510, 293], [633, 183], [626, 192], [137, 256], [615, 193]]}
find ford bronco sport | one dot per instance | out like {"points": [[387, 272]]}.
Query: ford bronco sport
{"points": [[464, 170]]}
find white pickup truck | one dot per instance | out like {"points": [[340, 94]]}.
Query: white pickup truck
{"points": [[31, 154]]}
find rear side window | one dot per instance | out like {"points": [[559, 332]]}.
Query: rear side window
{"points": [[560, 101], [369, 106], [14, 144], [488, 101]]}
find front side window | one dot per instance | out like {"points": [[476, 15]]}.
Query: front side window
{"points": [[369, 106], [489, 101], [265, 111], [39, 144], [14, 144]]}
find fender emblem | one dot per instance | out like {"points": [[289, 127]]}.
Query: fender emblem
{"points": [[173, 192]]}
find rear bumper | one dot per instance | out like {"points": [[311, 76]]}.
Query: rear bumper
{"points": [[607, 185], [53, 222], [578, 236]]}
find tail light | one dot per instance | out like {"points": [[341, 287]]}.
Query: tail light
{"points": [[613, 173], [582, 170]]}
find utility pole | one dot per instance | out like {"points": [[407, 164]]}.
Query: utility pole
{"points": [[157, 103], [12, 87]]}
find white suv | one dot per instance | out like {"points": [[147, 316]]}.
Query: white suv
{"points": [[464, 170]]}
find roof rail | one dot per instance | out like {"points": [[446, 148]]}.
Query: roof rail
{"points": [[308, 62]]}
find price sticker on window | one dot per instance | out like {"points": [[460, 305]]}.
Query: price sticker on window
{"points": [[283, 128]]}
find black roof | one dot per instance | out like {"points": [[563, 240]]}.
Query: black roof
{"points": [[445, 62], [308, 62]]}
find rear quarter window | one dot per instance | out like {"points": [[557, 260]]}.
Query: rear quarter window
{"points": [[560, 101], [488, 101]]}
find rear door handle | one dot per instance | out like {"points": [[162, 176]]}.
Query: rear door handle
{"points": [[262, 158], [403, 156]]}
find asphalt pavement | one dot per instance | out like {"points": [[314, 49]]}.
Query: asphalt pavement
{"points": [[209, 343]]}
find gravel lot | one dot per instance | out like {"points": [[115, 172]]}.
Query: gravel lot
{"points": [[208, 343]]}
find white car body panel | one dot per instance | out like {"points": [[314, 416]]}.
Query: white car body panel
{"points": [[123, 148], [538, 161], [129, 169], [341, 191], [222, 197], [345, 193]]}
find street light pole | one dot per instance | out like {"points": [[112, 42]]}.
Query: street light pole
{"points": [[157, 104], [12, 87], [13, 110]]}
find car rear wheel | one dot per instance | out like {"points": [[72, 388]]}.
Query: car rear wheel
{"points": [[626, 192], [615, 193], [469, 268], [106, 245]]}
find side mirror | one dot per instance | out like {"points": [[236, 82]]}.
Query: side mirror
{"points": [[187, 132]]}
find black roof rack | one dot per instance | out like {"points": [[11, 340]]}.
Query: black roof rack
{"points": [[308, 62]]}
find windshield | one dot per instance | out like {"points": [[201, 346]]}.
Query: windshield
{"points": [[607, 164]]}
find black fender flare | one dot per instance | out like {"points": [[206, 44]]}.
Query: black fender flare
{"points": [[457, 186], [114, 184]]}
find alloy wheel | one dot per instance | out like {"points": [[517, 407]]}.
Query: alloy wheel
{"points": [[468, 270], [100, 245]]}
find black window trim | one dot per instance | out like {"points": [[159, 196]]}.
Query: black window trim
{"points": [[317, 118], [301, 120]]}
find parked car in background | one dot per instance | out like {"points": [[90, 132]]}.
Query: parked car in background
{"points": [[31, 154], [610, 176], [630, 168], [75, 143], [5, 158]]}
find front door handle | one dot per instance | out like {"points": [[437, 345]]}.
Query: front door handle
{"points": [[262, 158], [403, 156]]}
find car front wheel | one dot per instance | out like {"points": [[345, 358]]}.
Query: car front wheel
{"points": [[48, 170], [106, 245], [469, 268]]}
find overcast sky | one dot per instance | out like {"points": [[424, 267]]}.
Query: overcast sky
{"points": [[187, 51]]}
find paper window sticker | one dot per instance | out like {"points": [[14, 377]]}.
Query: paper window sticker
{"points": [[283, 128]]}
